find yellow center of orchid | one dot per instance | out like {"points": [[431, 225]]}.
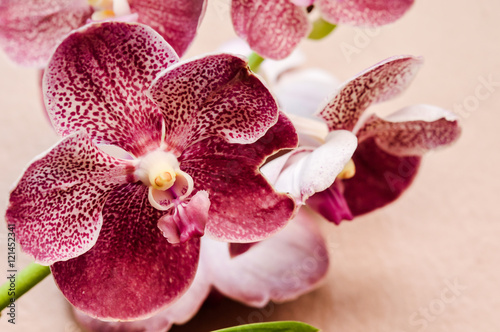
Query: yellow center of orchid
{"points": [[103, 15], [348, 172], [158, 170], [168, 184], [105, 9], [101, 4], [164, 180]]}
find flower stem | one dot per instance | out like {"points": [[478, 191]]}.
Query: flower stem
{"points": [[254, 61], [321, 29], [21, 283]]}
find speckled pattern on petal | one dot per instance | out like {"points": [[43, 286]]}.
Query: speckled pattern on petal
{"points": [[56, 205], [97, 80], [409, 138], [380, 178], [244, 207], [216, 95], [132, 270], [30, 30], [376, 84], [179, 312], [272, 28], [176, 20], [363, 12]]}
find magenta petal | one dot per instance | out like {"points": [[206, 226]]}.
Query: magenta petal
{"points": [[363, 12], [97, 80], [132, 271], [30, 30], [244, 207], [272, 28], [331, 204], [178, 313], [412, 131], [56, 205], [188, 219], [216, 95], [280, 268], [380, 178], [176, 20], [376, 84]]}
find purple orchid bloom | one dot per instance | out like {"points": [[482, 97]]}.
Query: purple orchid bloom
{"points": [[31, 30], [253, 273], [273, 28], [122, 235], [389, 149]]}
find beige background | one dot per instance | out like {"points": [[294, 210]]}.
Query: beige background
{"points": [[429, 262]]}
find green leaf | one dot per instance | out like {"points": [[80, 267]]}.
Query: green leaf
{"points": [[272, 327], [321, 29]]}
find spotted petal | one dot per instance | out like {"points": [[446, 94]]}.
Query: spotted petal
{"points": [[179, 312], [272, 28], [30, 30], [244, 207], [132, 271], [56, 205], [367, 13], [378, 83], [389, 153], [412, 131], [177, 21], [280, 268], [97, 80], [216, 95]]}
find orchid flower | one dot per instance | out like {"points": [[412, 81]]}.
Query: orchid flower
{"points": [[30, 30], [273, 28], [389, 149], [251, 273], [122, 235]]}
